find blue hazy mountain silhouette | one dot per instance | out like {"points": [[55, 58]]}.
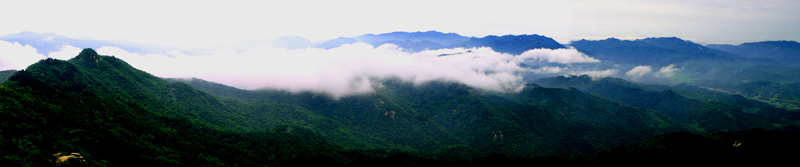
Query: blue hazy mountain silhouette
{"points": [[50, 42], [783, 51], [650, 51]]}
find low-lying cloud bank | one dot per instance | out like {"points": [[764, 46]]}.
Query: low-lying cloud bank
{"points": [[562, 56], [14, 56], [345, 70], [642, 71], [597, 73], [348, 69]]}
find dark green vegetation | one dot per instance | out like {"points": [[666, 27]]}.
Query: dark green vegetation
{"points": [[698, 109], [115, 115], [432, 116], [755, 147], [766, 71], [5, 74]]}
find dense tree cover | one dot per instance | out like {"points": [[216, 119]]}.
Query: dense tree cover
{"points": [[760, 70], [431, 116], [115, 115], [5, 74], [787, 91], [699, 65], [715, 148], [702, 112]]}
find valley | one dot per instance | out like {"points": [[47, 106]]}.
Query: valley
{"points": [[108, 110]]}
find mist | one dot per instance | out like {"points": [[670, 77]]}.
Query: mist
{"points": [[349, 69], [346, 70], [14, 56]]}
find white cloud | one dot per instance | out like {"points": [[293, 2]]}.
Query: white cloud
{"points": [[667, 71], [596, 74], [15, 56], [562, 56], [347, 69], [638, 71], [67, 52], [549, 70]]}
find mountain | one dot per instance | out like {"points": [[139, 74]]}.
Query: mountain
{"points": [[413, 46], [440, 38], [782, 51], [458, 114], [97, 105], [100, 106], [512, 44], [692, 63], [687, 46], [738, 114], [788, 92], [625, 51], [49, 42], [650, 51], [419, 41], [336, 42], [115, 115], [5, 74]]}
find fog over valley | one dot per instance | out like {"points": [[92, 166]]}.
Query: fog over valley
{"points": [[94, 83], [347, 69]]}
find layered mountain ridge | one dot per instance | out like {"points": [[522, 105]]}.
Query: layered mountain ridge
{"points": [[95, 104]]}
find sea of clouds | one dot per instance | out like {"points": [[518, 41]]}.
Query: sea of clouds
{"points": [[341, 71]]}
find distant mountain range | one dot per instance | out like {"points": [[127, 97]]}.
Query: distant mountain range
{"points": [[735, 111], [110, 113], [662, 50], [96, 104], [650, 51], [432, 40], [49, 42], [783, 51]]}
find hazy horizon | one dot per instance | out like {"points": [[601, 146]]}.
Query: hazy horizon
{"points": [[226, 31], [199, 24]]}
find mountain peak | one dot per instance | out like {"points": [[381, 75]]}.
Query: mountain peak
{"points": [[88, 52], [87, 58]]}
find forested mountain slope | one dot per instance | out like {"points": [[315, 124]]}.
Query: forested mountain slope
{"points": [[115, 115], [5, 74], [725, 112], [457, 114], [112, 114]]}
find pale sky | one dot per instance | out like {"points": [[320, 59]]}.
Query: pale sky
{"points": [[201, 23], [225, 26]]}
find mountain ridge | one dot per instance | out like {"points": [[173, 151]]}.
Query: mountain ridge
{"points": [[109, 111], [783, 51]]}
